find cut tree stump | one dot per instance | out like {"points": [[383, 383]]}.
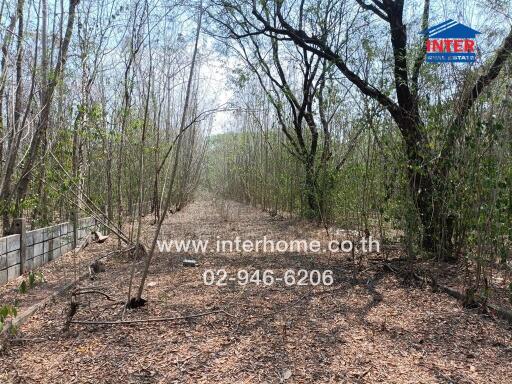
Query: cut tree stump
{"points": [[98, 237]]}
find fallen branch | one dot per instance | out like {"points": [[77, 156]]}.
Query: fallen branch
{"points": [[84, 244], [24, 316], [79, 292], [151, 320], [500, 312], [29, 339], [117, 251]]}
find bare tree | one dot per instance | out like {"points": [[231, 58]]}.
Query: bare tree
{"points": [[427, 177]]}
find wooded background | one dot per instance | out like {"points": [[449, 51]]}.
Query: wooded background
{"points": [[334, 116]]}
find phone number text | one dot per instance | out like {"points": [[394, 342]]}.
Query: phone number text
{"points": [[267, 277]]}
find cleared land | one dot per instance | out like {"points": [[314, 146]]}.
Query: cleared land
{"points": [[367, 327]]}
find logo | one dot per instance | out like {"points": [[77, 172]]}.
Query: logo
{"points": [[450, 42]]}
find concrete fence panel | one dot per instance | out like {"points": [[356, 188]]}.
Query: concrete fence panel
{"points": [[28, 250]]}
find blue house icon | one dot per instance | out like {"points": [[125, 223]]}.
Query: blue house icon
{"points": [[450, 29]]}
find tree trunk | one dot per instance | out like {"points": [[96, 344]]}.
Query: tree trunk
{"points": [[310, 190], [175, 165], [428, 193], [47, 97]]}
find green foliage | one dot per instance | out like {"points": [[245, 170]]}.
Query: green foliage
{"points": [[23, 287], [481, 198], [239, 77], [7, 311], [30, 202], [7, 206], [34, 278], [254, 168]]}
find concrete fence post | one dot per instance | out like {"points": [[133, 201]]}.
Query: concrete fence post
{"points": [[74, 222], [19, 227]]}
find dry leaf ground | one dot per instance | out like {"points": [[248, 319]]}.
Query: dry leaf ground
{"points": [[368, 327]]}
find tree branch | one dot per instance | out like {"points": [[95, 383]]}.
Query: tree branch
{"points": [[484, 80], [423, 50], [374, 9], [318, 47]]}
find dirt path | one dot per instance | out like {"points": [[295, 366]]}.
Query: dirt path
{"points": [[369, 329]]}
